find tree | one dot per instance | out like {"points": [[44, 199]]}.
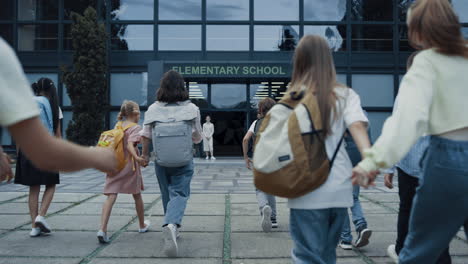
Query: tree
{"points": [[86, 82]]}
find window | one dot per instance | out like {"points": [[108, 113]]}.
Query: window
{"points": [[227, 37], [372, 10], [34, 77], [37, 37], [376, 90], [335, 35], [282, 38], [279, 10], [6, 32], [67, 117], [403, 6], [403, 39], [341, 78], [461, 8], [179, 37], [180, 10], [129, 86], [6, 12], [465, 32], [227, 10], [258, 91], [377, 120], [232, 95], [37, 9], [372, 38], [77, 7], [132, 10], [329, 10], [6, 138], [198, 93], [131, 37]]}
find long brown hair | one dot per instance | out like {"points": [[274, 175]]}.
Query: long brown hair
{"points": [[172, 88], [315, 70], [435, 24]]}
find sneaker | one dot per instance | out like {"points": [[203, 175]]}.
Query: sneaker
{"points": [[207, 158], [391, 253], [170, 240], [35, 232], [213, 158], [266, 218], [346, 245], [146, 228], [42, 224], [274, 223], [363, 238], [102, 237]]}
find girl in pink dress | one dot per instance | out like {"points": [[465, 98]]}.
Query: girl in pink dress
{"points": [[129, 179]]}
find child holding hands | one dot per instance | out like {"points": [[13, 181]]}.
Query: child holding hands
{"points": [[129, 179]]}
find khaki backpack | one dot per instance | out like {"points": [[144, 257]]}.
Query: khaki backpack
{"points": [[290, 158], [114, 139]]}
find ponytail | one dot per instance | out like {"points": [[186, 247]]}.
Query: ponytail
{"points": [[47, 87]]}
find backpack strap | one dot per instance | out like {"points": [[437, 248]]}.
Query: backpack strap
{"points": [[336, 151]]}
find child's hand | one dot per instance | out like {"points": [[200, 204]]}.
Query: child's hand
{"points": [[141, 161], [5, 167], [388, 180]]}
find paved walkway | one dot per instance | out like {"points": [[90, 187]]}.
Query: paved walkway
{"points": [[221, 224]]}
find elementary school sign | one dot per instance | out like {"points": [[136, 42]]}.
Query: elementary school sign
{"points": [[229, 69]]}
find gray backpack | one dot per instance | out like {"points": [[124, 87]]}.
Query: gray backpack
{"points": [[172, 132]]}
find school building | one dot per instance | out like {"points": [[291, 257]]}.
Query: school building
{"points": [[232, 53]]}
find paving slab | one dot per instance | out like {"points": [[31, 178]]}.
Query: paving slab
{"points": [[241, 223], [191, 223], [372, 208], [10, 221], [251, 198], [4, 196], [267, 245], [382, 222], [207, 198], [96, 208], [253, 210], [64, 197], [84, 222], [150, 245], [59, 244], [37, 260], [156, 260], [23, 208], [125, 198]]}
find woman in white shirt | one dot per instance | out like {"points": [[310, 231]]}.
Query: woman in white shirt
{"points": [[432, 100], [317, 218], [208, 131]]}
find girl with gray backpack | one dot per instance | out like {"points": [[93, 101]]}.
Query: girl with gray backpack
{"points": [[172, 123]]}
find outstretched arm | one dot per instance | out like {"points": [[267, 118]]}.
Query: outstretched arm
{"points": [[245, 148], [52, 154]]}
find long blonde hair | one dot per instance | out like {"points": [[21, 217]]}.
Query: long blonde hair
{"points": [[435, 23], [314, 69], [127, 109]]}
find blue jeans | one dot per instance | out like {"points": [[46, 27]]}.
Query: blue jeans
{"points": [[174, 184], [440, 206], [359, 220], [264, 199], [315, 234]]}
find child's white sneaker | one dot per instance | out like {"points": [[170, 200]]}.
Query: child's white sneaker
{"points": [[170, 240], [207, 158], [42, 224], [35, 232], [213, 158], [102, 237], [266, 218], [146, 228]]}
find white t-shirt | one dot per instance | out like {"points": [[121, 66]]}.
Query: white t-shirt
{"points": [[252, 126], [16, 97], [337, 191]]}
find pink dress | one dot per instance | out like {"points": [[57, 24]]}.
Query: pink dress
{"points": [[128, 180]]}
